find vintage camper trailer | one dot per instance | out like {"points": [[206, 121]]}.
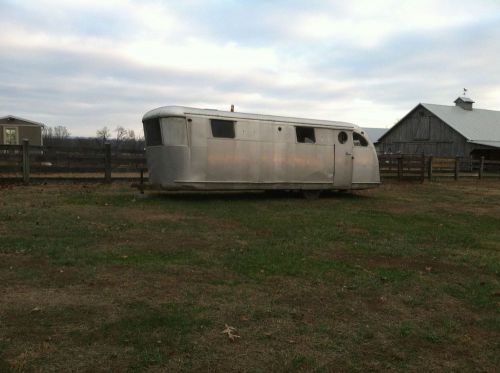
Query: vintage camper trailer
{"points": [[201, 149]]}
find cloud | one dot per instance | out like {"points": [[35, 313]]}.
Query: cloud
{"points": [[86, 64]]}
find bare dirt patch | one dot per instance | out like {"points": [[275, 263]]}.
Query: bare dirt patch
{"points": [[374, 261], [141, 215]]}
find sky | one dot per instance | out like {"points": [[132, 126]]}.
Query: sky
{"points": [[87, 64]]}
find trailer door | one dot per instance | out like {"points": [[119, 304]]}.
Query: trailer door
{"points": [[342, 177], [365, 167]]}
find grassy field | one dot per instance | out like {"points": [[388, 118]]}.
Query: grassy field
{"points": [[405, 277]]}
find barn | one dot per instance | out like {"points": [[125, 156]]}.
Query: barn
{"points": [[14, 129], [445, 131]]}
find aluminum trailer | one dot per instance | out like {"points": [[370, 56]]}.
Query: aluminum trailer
{"points": [[202, 149]]}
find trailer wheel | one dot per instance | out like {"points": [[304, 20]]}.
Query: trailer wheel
{"points": [[311, 194]]}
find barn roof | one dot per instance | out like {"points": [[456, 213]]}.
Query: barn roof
{"points": [[31, 122], [464, 99], [374, 133], [478, 126]]}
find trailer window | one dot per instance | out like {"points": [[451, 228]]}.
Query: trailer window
{"points": [[222, 128], [359, 140], [305, 135], [174, 131], [152, 132], [343, 137]]}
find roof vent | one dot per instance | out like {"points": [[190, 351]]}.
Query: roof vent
{"points": [[464, 102]]}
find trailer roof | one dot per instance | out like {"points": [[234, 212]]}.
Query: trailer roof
{"points": [[183, 110]]}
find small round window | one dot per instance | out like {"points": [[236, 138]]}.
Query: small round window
{"points": [[342, 137]]}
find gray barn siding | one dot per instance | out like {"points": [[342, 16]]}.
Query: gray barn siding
{"points": [[422, 132]]}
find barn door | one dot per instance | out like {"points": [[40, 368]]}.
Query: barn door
{"points": [[342, 177]]}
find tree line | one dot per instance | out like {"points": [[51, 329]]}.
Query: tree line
{"points": [[119, 138]]}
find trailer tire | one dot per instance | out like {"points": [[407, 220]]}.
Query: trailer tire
{"points": [[311, 195]]}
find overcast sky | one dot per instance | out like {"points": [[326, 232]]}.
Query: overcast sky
{"points": [[92, 63]]}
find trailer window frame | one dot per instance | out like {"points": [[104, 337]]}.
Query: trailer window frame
{"points": [[304, 133], [223, 128]]}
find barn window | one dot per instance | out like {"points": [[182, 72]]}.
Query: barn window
{"points": [[174, 130], [222, 128], [152, 132], [359, 140], [305, 135], [11, 136], [343, 137]]}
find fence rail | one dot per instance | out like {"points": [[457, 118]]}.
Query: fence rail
{"points": [[27, 163], [410, 166]]}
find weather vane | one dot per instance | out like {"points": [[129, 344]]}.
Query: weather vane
{"points": [[465, 91]]}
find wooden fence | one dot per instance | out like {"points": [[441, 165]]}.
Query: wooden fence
{"points": [[30, 163], [420, 167]]}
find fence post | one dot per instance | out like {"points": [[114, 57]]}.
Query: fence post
{"points": [[400, 167], [457, 165], [107, 162], [481, 168], [26, 161], [141, 185], [422, 171], [429, 170]]}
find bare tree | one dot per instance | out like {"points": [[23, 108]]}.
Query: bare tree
{"points": [[121, 134], [104, 134], [61, 132], [55, 136], [47, 133]]}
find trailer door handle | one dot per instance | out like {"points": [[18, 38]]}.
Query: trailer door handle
{"points": [[347, 153]]}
